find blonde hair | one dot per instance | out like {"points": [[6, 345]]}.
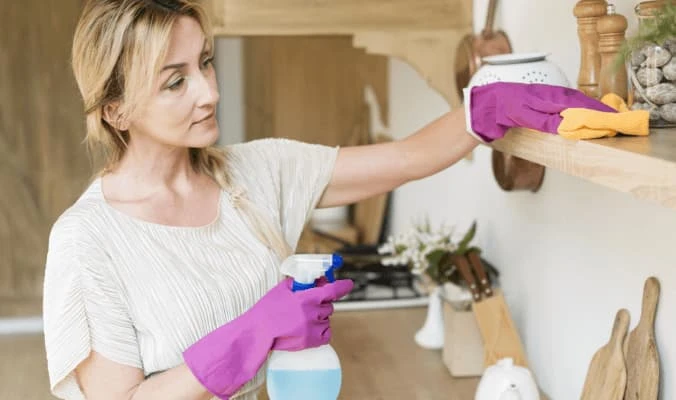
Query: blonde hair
{"points": [[117, 45]]}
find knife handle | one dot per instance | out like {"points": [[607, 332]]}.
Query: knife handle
{"points": [[478, 266], [466, 272]]}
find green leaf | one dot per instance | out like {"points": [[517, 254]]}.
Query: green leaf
{"points": [[469, 235], [435, 256], [433, 272], [651, 30]]}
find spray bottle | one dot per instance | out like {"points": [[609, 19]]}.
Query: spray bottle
{"points": [[310, 374]]}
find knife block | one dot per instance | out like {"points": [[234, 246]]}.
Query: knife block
{"points": [[463, 351]]}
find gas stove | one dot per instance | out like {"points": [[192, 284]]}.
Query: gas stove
{"points": [[379, 286]]}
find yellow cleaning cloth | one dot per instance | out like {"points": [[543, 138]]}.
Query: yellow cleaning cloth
{"points": [[583, 123]]}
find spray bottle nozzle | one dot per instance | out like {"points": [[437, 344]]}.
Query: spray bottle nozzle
{"points": [[305, 269]]}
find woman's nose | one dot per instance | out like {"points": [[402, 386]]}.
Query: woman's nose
{"points": [[206, 89]]}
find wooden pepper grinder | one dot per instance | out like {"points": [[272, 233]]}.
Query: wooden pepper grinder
{"points": [[588, 12], [611, 28]]}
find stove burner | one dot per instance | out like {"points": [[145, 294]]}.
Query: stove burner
{"points": [[374, 281]]}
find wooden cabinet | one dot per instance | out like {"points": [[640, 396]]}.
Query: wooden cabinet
{"points": [[310, 88], [43, 163]]}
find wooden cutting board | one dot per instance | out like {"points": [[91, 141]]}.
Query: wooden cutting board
{"points": [[607, 373], [643, 366]]}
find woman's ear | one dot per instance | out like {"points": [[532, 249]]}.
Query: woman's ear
{"points": [[112, 116]]}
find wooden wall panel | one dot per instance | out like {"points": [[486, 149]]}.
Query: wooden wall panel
{"points": [[309, 88], [43, 163], [258, 76], [313, 89]]}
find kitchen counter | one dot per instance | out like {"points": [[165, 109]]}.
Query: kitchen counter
{"points": [[379, 357], [376, 348], [381, 361]]}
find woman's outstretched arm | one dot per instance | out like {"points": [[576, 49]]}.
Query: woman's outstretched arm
{"points": [[364, 171]]}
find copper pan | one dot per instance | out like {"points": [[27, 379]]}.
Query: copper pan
{"points": [[514, 173], [473, 47]]}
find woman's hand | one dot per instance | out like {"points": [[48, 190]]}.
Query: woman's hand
{"points": [[230, 356], [494, 108], [301, 319]]}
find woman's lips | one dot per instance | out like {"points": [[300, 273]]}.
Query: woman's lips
{"points": [[208, 118]]}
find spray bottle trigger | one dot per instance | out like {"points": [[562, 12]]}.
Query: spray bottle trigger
{"points": [[336, 262], [330, 276]]}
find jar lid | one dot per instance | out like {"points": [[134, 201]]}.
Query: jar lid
{"points": [[649, 8]]}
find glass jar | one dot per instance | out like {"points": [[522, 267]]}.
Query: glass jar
{"points": [[652, 67]]}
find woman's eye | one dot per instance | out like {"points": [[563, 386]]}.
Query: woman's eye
{"points": [[175, 85], [207, 61]]}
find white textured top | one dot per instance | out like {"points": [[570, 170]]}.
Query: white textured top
{"points": [[140, 293]]}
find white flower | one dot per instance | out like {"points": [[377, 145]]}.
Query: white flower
{"points": [[413, 246], [386, 248]]}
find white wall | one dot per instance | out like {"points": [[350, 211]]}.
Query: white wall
{"points": [[571, 254], [228, 64]]}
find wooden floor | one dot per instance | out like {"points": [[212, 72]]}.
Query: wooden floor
{"points": [[23, 369], [380, 361]]}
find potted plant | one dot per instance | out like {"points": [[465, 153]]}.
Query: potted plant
{"points": [[429, 254]]}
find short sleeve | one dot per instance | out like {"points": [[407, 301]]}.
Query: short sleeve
{"points": [[82, 309], [298, 174]]}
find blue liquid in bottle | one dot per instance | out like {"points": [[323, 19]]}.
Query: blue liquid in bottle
{"points": [[288, 384], [310, 374]]}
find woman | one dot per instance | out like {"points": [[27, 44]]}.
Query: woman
{"points": [[162, 279], [148, 272]]}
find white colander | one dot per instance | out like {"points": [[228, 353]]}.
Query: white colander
{"points": [[518, 67]]}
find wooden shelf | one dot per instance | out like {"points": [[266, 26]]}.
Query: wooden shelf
{"points": [[335, 17], [645, 167]]}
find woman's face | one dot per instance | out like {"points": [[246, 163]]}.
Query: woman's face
{"points": [[182, 112]]}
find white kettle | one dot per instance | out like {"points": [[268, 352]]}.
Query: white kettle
{"points": [[506, 381]]}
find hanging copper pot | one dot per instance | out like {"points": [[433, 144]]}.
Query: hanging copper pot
{"points": [[473, 48], [514, 173]]}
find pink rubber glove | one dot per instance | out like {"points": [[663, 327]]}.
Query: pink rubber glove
{"points": [[227, 358], [492, 109]]}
